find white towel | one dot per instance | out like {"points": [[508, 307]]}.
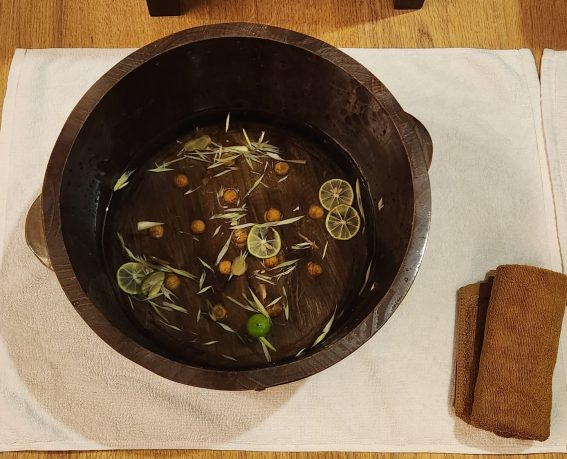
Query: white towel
{"points": [[61, 387]]}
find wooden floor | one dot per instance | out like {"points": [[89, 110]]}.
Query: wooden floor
{"points": [[534, 24]]}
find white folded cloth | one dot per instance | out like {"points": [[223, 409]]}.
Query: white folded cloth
{"points": [[554, 110], [62, 387]]}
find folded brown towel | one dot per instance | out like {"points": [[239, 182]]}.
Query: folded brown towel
{"points": [[507, 340]]}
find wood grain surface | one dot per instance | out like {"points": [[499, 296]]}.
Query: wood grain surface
{"points": [[534, 24]]}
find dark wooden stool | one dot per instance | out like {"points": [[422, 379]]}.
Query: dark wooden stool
{"points": [[173, 7], [408, 4], [164, 7]]}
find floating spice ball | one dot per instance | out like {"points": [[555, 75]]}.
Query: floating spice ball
{"points": [[172, 282], [281, 168], [180, 180], [198, 226], [275, 310], [272, 262], [239, 237], [156, 231], [316, 212], [230, 196], [314, 269], [225, 267], [273, 215], [219, 312]]}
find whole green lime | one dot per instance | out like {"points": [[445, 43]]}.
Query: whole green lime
{"points": [[258, 325]]}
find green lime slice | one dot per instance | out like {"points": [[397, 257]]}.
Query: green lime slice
{"points": [[263, 241], [335, 192], [152, 283], [343, 222], [130, 276]]}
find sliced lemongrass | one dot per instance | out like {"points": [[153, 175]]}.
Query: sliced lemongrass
{"points": [[227, 122], [274, 156], [285, 273], [267, 343], [226, 327], [302, 246], [266, 352], [144, 225], [236, 149], [227, 216], [160, 168], [287, 221], [167, 324], [263, 278], [366, 277], [126, 249], [261, 137], [259, 306], [202, 279], [209, 343], [256, 183], [296, 209], [283, 178], [285, 303], [156, 309], [175, 307], [359, 200], [322, 336], [224, 249], [217, 231], [167, 293], [195, 238], [242, 305], [274, 301], [229, 357], [325, 250], [192, 191], [241, 226], [205, 289], [285, 264], [380, 204], [246, 138], [198, 315], [181, 272], [221, 161], [301, 351], [205, 264], [122, 180], [226, 171]]}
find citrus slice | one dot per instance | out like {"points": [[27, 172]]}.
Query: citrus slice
{"points": [[152, 283], [335, 192], [130, 276], [263, 241], [343, 222]]}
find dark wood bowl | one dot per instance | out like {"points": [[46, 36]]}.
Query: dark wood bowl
{"points": [[146, 99]]}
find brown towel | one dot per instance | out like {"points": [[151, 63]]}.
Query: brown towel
{"points": [[508, 332]]}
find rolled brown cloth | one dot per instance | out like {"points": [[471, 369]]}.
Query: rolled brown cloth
{"points": [[508, 330]]}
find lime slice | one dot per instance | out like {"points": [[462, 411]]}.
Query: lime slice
{"points": [[152, 283], [335, 192], [263, 242], [130, 276], [343, 222]]}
